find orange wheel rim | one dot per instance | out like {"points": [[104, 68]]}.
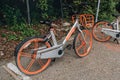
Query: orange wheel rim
{"points": [[33, 60], [84, 45], [98, 35]]}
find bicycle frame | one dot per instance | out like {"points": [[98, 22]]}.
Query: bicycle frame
{"points": [[115, 33], [34, 54], [116, 25], [56, 50]]}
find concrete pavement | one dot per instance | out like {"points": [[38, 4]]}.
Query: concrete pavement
{"points": [[103, 63]]}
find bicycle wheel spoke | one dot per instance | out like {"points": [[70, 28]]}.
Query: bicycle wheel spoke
{"points": [[40, 62], [78, 48], [80, 38], [36, 46], [47, 45], [101, 34], [85, 48], [86, 36], [26, 54], [97, 31], [30, 64]]}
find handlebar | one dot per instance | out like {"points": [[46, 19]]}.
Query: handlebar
{"points": [[49, 23]]}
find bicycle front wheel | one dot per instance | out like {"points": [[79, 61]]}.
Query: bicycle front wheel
{"points": [[97, 31], [82, 47], [25, 56]]}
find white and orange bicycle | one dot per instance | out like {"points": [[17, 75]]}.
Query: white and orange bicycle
{"points": [[34, 54], [104, 31]]}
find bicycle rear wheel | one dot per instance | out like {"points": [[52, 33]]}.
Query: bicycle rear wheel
{"points": [[82, 47], [25, 56], [97, 31]]}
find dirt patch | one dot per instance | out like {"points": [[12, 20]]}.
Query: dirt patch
{"points": [[6, 47]]}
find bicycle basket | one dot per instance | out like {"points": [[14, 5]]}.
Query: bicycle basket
{"points": [[86, 20]]}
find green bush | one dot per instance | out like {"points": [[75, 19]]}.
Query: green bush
{"points": [[12, 15], [12, 37], [118, 6], [24, 30], [16, 12], [3, 35]]}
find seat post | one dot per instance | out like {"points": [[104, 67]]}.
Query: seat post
{"points": [[53, 36], [117, 24]]}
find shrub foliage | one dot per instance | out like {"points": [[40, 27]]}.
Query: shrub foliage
{"points": [[14, 12]]}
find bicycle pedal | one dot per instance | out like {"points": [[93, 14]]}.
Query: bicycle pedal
{"points": [[69, 46], [116, 40], [54, 59]]}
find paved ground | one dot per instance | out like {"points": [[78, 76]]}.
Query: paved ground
{"points": [[103, 63]]}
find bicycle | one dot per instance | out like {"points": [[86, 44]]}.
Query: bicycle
{"points": [[104, 31], [34, 54]]}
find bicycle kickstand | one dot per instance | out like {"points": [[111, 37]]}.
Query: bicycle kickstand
{"points": [[54, 59], [116, 40]]}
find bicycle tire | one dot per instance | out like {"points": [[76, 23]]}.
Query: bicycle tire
{"points": [[98, 34], [33, 66], [79, 45]]}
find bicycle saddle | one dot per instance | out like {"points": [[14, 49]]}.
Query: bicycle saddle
{"points": [[47, 22], [116, 15]]}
